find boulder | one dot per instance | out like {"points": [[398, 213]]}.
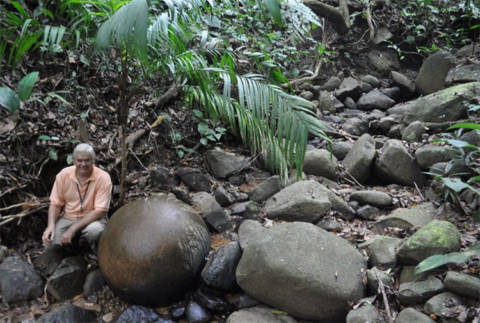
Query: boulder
{"points": [[413, 132], [259, 314], [432, 74], [418, 291], [340, 149], [462, 284], [194, 179], [355, 126], [152, 250], [384, 60], [375, 198], [409, 315], [266, 189], [403, 82], [219, 272], [49, 260], [349, 87], [223, 164], [370, 79], [320, 273], [19, 281], [212, 212], [439, 304], [223, 197], [403, 218], [375, 100], [248, 231], [332, 83], [161, 178], [68, 313], [301, 201], [449, 104], [68, 278], [395, 165], [437, 237], [320, 162], [364, 314], [358, 162], [382, 250], [429, 155], [464, 74]]}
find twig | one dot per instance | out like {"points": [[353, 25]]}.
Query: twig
{"points": [[11, 189], [19, 216], [368, 14], [418, 190], [171, 93], [385, 299], [139, 161]]}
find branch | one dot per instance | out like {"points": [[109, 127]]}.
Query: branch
{"points": [[329, 12], [171, 93]]}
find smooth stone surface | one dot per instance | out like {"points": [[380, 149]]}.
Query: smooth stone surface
{"points": [[429, 155], [19, 281], [248, 232], [68, 313], [418, 291], [375, 100], [368, 212], [194, 179], [411, 315], [320, 162], [463, 284], [355, 126], [266, 189], [375, 198], [365, 314], [3, 253], [438, 303], [138, 313], [375, 276], [197, 314], [259, 314], [67, 280], [358, 162], [223, 197], [93, 282], [136, 247], [340, 149], [382, 250], [403, 82], [464, 73], [211, 211], [306, 264], [437, 237], [384, 60], [219, 272], [349, 87], [209, 300], [224, 164], [49, 260], [407, 274], [301, 201], [433, 72], [413, 132], [403, 218]]}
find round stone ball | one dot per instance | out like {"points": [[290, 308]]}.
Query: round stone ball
{"points": [[153, 249]]}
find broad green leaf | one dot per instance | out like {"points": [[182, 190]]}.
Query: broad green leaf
{"points": [[436, 261], [9, 99], [474, 126], [455, 184], [25, 86], [273, 7], [44, 137], [52, 154], [202, 128]]}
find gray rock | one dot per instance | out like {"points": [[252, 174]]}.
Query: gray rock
{"points": [[403, 82], [259, 314], [327, 102], [393, 92], [329, 224], [138, 313], [196, 313], [431, 76], [3, 253], [410, 315], [355, 126], [413, 132], [212, 302], [381, 34], [365, 314], [320, 272], [408, 274], [19, 281], [372, 80], [49, 260], [396, 131], [387, 122], [418, 291], [437, 237], [350, 103], [160, 177], [440, 303], [472, 137], [348, 88], [462, 284], [307, 95], [368, 212], [223, 164], [223, 197], [239, 208], [94, 282], [404, 218], [340, 149], [212, 212], [248, 232], [428, 155], [375, 276], [68, 279], [194, 179], [463, 74], [359, 160], [375, 198], [301, 201], [266, 189], [449, 104], [332, 83], [375, 100], [382, 250], [395, 165], [219, 272], [68, 313], [375, 114], [384, 61], [320, 162]]}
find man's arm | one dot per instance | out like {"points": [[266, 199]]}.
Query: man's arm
{"points": [[90, 217], [53, 214]]}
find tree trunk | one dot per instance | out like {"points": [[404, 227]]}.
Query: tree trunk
{"points": [[122, 116], [330, 13]]}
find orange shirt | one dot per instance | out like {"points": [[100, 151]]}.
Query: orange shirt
{"points": [[67, 192]]}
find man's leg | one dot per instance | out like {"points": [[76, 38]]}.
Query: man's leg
{"points": [[92, 232], [60, 227]]}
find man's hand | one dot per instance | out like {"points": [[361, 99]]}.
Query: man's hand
{"points": [[48, 235], [68, 235]]}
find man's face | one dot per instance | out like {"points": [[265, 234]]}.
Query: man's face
{"points": [[84, 163]]}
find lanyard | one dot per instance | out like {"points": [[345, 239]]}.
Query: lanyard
{"points": [[80, 195]]}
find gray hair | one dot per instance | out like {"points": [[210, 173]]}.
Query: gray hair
{"points": [[84, 148]]}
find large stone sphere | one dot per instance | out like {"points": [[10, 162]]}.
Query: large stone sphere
{"points": [[153, 249]]}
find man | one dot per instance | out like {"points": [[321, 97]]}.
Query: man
{"points": [[83, 191]]}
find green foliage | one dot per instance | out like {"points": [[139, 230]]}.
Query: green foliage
{"points": [[208, 130], [10, 99], [436, 261]]}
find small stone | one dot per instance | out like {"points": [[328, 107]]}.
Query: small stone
{"points": [[223, 197], [307, 95], [372, 80], [340, 149], [463, 284], [194, 179], [219, 272], [330, 224], [382, 250], [411, 315], [388, 122], [374, 276], [350, 103], [68, 279], [403, 218], [358, 162], [320, 162], [266, 189], [418, 291], [374, 198], [69, 313], [413, 132], [160, 177], [407, 274], [196, 313], [368, 212], [49, 260], [137, 313], [365, 314], [348, 88], [432, 74], [438, 304], [375, 100], [332, 83], [211, 302], [224, 164], [429, 155], [393, 93], [19, 281], [259, 314], [355, 126], [213, 213], [403, 82], [93, 282]]}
